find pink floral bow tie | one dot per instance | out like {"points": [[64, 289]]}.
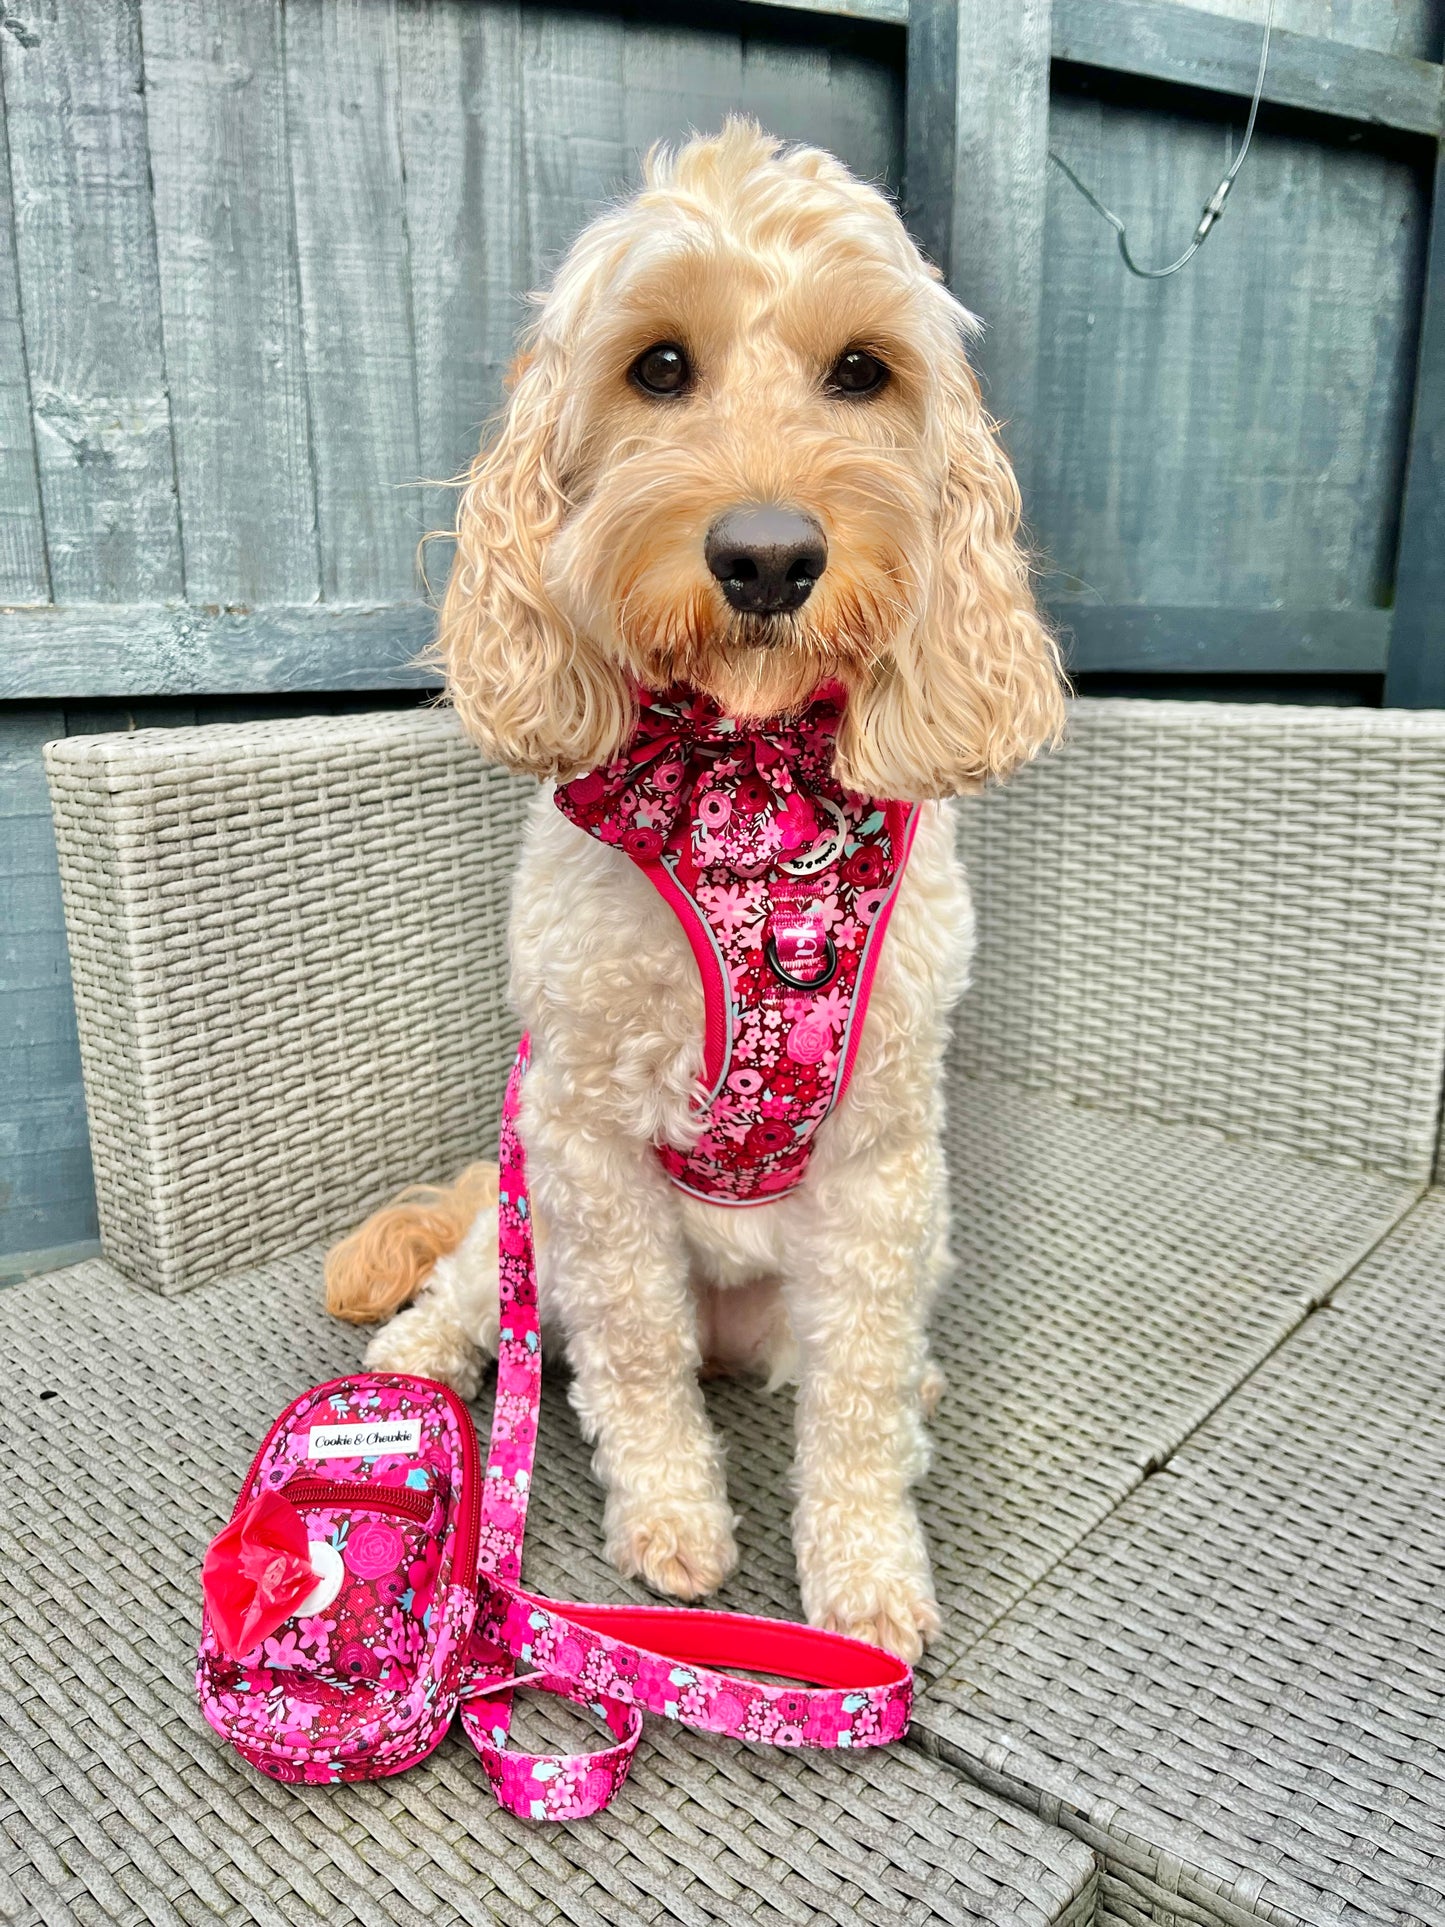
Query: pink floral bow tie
{"points": [[738, 783]]}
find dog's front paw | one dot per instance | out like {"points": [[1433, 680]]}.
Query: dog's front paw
{"points": [[420, 1341], [872, 1581], [680, 1547]]}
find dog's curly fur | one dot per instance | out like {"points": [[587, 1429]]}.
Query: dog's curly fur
{"points": [[579, 572]]}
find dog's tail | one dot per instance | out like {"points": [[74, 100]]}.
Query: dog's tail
{"points": [[380, 1265]]}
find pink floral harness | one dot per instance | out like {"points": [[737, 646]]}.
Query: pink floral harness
{"points": [[784, 883]]}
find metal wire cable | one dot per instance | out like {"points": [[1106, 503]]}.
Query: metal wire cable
{"points": [[1213, 207]]}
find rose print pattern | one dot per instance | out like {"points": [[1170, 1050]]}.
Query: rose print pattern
{"points": [[519, 1635], [750, 835]]}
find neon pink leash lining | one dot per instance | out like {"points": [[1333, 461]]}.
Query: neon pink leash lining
{"points": [[851, 1695]]}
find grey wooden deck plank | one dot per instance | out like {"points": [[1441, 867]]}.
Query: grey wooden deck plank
{"points": [[226, 242], [342, 92], [85, 241]]}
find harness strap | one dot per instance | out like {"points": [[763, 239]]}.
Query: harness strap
{"points": [[621, 1661]]}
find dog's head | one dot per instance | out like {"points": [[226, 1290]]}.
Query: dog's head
{"points": [[745, 450]]}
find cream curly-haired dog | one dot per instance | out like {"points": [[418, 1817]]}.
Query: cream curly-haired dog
{"points": [[754, 329]]}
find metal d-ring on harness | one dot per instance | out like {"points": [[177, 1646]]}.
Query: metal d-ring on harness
{"points": [[1213, 207], [818, 982]]}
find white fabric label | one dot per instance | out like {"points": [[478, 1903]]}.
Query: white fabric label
{"points": [[401, 1436]]}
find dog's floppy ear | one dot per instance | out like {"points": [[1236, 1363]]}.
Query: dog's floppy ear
{"points": [[534, 694], [976, 688]]}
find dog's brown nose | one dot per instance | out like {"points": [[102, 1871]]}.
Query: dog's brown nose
{"points": [[766, 557]]}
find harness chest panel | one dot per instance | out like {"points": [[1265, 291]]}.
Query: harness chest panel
{"points": [[784, 883]]}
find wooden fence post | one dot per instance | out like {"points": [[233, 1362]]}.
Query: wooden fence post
{"points": [[1415, 667], [977, 148]]}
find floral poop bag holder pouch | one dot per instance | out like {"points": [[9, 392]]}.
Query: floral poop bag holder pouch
{"points": [[367, 1589]]}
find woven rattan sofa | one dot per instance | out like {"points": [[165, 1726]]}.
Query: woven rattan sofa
{"points": [[1185, 1499]]}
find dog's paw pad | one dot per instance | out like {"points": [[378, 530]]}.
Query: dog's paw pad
{"points": [[683, 1550], [414, 1343]]}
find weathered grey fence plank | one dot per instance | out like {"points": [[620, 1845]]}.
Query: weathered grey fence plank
{"points": [[86, 250], [125, 650], [885, 13], [1165, 41], [227, 248], [571, 102], [1233, 435], [470, 249], [1250, 642], [978, 111], [1370, 60], [832, 96], [1415, 674], [342, 93], [1408, 27], [24, 575]]}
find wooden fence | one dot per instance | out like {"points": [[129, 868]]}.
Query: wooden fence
{"points": [[260, 273]]}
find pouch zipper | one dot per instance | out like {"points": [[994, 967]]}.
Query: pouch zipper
{"points": [[350, 1494], [471, 1525], [471, 1528]]}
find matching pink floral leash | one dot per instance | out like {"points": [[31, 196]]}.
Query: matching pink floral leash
{"points": [[853, 1695]]}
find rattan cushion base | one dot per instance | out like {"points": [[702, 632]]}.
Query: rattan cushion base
{"points": [[1233, 1688], [1117, 1278]]}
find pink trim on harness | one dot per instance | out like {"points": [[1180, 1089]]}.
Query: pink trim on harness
{"points": [[784, 883]]}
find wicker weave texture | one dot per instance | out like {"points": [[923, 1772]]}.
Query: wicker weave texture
{"points": [[1234, 1686], [1117, 1278], [129, 1425], [1228, 915], [288, 947]]}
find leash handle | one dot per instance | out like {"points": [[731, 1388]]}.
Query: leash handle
{"points": [[623, 1660]]}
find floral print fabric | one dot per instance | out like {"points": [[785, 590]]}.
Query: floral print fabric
{"points": [[784, 882]]}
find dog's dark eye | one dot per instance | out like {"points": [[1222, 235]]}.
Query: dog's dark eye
{"points": [[661, 369], [856, 372]]}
